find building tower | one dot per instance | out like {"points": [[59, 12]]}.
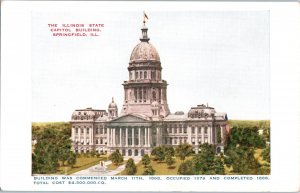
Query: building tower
{"points": [[145, 88], [112, 109]]}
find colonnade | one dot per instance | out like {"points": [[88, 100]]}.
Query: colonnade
{"points": [[129, 137]]}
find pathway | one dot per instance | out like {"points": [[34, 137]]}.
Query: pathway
{"points": [[92, 171]]}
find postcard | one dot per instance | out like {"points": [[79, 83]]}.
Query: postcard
{"points": [[150, 96]]}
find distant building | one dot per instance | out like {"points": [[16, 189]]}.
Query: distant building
{"points": [[145, 120]]}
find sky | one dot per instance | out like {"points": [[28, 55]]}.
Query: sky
{"points": [[215, 57]]}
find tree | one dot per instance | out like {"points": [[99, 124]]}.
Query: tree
{"points": [[204, 162], [219, 166], [170, 150], [159, 153], [52, 146], [71, 159], [146, 160], [186, 168], [246, 137], [242, 160], [93, 153], [170, 160], [149, 171], [130, 167], [183, 150], [116, 157]]}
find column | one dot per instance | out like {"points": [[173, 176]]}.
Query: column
{"points": [[202, 134], [132, 134], [196, 138], [114, 136], [148, 141], [157, 139], [84, 136], [189, 134], [208, 134], [92, 135], [120, 133], [222, 137], [108, 136], [216, 137], [126, 143], [145, 136], [111, 137], [139, 136]]}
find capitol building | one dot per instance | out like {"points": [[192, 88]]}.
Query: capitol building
{"points": [[145, 120]]}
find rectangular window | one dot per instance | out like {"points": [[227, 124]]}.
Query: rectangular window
{"points": [[180, 130], [87, 130], [205, 130], [184, 130], [193, 130]]}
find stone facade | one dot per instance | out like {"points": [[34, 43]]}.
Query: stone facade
{"points": [[145, 120]]}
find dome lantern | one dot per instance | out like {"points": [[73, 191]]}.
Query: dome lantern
{"points": [[144, 29]]}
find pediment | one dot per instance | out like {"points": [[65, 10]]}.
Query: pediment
{"points": [[130, 118]]}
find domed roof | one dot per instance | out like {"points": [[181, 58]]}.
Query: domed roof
{"points": [[144, 51], [112, 104]]}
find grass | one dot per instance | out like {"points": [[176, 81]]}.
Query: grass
{"points": [[262, 124], [81, 164], [113, 166], [161, 168]]}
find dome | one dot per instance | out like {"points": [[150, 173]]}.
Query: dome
{"points": [[112, 104], [144, 51]]}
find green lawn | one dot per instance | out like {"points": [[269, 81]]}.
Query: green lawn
{"points": [[81, 164], [112, 166], [161, 168], [262, 124]]}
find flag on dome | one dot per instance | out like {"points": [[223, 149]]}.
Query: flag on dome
{"points": [[145, 16]]}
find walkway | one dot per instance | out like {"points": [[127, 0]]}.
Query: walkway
{"points": [[94, 171]]}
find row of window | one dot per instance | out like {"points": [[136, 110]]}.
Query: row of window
{"points": [[176, 141], [143, 75], [184, 130], [169, 130]]}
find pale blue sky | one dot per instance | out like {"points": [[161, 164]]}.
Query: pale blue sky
{"points": [[219, 58]]}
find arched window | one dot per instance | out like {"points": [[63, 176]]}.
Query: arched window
{"points": [[141, 74], [130, 75], [145, 75]]}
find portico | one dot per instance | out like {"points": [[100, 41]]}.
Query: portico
{"points": [[130, 134]]}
